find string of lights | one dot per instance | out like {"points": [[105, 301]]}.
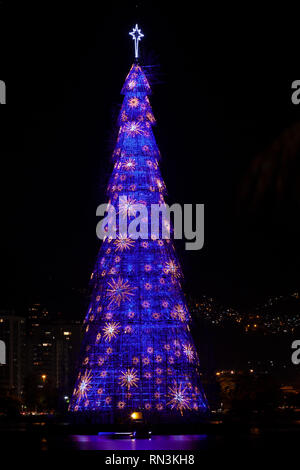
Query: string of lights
{"points": [[137, 353]]}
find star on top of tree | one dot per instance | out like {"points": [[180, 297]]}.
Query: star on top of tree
{"points": [[137, 35]]}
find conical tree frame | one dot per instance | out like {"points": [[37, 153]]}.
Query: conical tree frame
{"points": [[137, 352]]}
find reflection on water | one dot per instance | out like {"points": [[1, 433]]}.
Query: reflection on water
{"points": [[106, 442], [269, 438]]}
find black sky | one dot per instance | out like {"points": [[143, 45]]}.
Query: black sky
{"points": [[64, 68]]}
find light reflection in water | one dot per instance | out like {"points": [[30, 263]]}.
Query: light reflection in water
{"points": [[105, 442]]}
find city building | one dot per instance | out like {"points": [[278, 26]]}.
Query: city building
{"points": [[68, 340], [13, 367], [53, 346]]}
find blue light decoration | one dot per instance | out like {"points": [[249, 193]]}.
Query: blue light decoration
{"points": [[137, 35], [137, 352]]}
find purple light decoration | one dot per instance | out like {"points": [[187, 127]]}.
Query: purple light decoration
{"points": [[137, 352]]}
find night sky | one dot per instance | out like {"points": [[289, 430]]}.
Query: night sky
{"points": [[229, 138]]}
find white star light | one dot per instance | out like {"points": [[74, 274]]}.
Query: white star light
{"points": [[136, 34]]}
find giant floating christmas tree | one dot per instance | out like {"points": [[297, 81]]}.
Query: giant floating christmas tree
{"points": [[137, 352]]}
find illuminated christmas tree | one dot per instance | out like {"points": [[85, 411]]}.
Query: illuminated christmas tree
{"points": [[137, 352]]}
